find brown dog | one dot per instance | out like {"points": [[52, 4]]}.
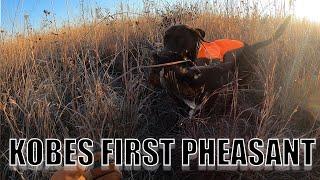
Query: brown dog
{"points": [[197, 79]]}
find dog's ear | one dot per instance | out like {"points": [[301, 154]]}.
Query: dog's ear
{"points": [[200, 32]]}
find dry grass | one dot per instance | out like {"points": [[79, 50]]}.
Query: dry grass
{"points": [[64, 84]]}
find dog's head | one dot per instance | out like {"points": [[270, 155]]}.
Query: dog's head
{"points": [[180, 42], [183, 41]]}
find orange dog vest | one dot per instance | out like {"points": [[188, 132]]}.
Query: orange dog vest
{"points": [[218, 48]]}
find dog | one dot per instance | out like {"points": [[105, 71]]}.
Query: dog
{"points": [[200, 76]]}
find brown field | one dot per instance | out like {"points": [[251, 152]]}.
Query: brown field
{"points": [[78, 81]]}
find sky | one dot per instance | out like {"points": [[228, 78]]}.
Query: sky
{"points": [[13, 11], [308, 9]]}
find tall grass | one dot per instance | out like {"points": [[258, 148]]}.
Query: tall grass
{"points": [[76, 81]]}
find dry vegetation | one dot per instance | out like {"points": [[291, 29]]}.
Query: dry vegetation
{"points": [[79, 82]]}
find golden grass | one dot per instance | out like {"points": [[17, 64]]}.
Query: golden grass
{"points": [[62, 84]]}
